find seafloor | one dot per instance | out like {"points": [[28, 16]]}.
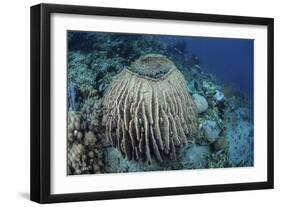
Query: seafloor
{"points": [[225, 130]]}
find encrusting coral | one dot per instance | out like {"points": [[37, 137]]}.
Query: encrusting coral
{"points": [[149, 111], [200, 102]]}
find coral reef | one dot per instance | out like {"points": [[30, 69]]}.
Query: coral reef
{"points": [[96, 61], [220, 144], [149, 112], [200, 102], [83, 155], [90, 138], [73, 127], [218, 96], [219, 160], [195, 156], [211, 130], [75, 155], [239, 133]]}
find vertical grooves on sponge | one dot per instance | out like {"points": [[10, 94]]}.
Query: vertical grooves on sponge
{"points": [[148, 118]]}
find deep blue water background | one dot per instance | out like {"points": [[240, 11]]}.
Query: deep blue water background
{"points": [[229, 60]]}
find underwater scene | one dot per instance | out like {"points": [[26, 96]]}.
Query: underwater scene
{"points": [[141, 102]]}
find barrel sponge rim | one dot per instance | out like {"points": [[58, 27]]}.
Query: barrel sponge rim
{"points": [[152, 66]]}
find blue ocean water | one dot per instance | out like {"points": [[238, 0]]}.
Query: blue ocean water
{"points": [[230, 60]]}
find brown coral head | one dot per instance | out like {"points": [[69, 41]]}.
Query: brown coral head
{"points": [[149, 111]]}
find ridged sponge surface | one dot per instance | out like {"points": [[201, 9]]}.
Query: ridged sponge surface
{"points": [[149, 111]]}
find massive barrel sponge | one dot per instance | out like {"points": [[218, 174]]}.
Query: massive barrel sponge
{"points": [[149, 111]]}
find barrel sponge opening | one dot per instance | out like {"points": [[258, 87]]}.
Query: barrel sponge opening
{"points": [[149, 111], [152, 65]]}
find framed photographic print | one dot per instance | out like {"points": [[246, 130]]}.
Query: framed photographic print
{"points": [[132, 103]]}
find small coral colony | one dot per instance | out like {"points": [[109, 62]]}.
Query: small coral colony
{"points": [[143, 103]]}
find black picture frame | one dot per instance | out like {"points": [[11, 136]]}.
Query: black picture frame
{"points": [[41, 96]]}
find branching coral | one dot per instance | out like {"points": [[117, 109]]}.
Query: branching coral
{"points": [[149, 111]]}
